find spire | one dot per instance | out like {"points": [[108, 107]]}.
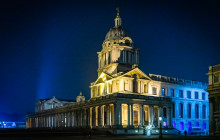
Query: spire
{"points": [[80, 94], [117, 19], [117, 13]]}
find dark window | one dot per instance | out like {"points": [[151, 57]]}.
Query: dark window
{"points": [[172, 93], [181, 110], [189, 94], [181, 93], [203, 111], [127, 42], [162, 91], [154, 90], [196, 95], [164, 112], [189, 111], [203, 96], [197, 111], [216, 78], [173, 110]]}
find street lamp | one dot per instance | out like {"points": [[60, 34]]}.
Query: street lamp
{"points": [[160, 133]]}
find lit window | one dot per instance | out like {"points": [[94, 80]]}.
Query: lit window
{"points": [[162, 91]]}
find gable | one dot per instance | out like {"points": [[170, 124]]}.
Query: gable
{"points": [[102, 78], [140, 74], [53, 100]]}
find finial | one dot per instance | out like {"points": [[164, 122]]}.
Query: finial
{"points": [[80, 94], [117, 9]]}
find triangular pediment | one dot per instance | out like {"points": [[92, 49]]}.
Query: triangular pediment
{"points": [[136, 71], [102, 78], [53, 100]]}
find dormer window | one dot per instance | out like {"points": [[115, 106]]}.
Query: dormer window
{"points": [[127, 43]]}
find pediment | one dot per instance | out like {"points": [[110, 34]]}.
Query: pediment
{"points": [[102, 78], [139, 73], [53, 100]]}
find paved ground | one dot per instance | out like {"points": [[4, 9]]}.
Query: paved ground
{"points": [[138, 137]]}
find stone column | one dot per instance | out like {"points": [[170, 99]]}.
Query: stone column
{"points": [[72, 118], [120, 114], [151, 111], [160, 113], [132, 115], [169, 123], [85, 117], [142, 107], [129, 112], [108, 115]]}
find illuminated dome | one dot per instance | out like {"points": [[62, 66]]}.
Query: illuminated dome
{"points": [[116, 33]]}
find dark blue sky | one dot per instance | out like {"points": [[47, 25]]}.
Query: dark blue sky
{"points": [[48, 48]]}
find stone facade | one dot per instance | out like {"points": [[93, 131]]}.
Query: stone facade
{"points": [[214, 99], [124, 100]]}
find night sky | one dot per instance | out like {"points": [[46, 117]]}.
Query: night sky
{"points": [[49, 48]]}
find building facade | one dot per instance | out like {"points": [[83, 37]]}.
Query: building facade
{"points": [[124, 100], [214, 99]]}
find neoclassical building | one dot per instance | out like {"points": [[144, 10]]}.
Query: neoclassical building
{"points": [[125, 100], [214, 99]]}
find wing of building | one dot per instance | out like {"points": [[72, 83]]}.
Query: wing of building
{"points": [[214, 98], [125, 100]]}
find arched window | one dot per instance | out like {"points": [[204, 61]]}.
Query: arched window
{"points": [[203, 111], [181, 110], [197, 111], [189, 110]]}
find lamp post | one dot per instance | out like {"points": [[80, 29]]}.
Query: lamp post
{"points": [[160, 133]]}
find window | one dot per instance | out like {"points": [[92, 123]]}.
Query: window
{"points": [[126, 87], [203, 96], [154, 91], [162, 91], [216, 78], [197, 111], [196, 95], [172, 93], [164, 112], [203, 111], [189, 110], [189, 94], [145, 88], [181, 93], [181, 110]]}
